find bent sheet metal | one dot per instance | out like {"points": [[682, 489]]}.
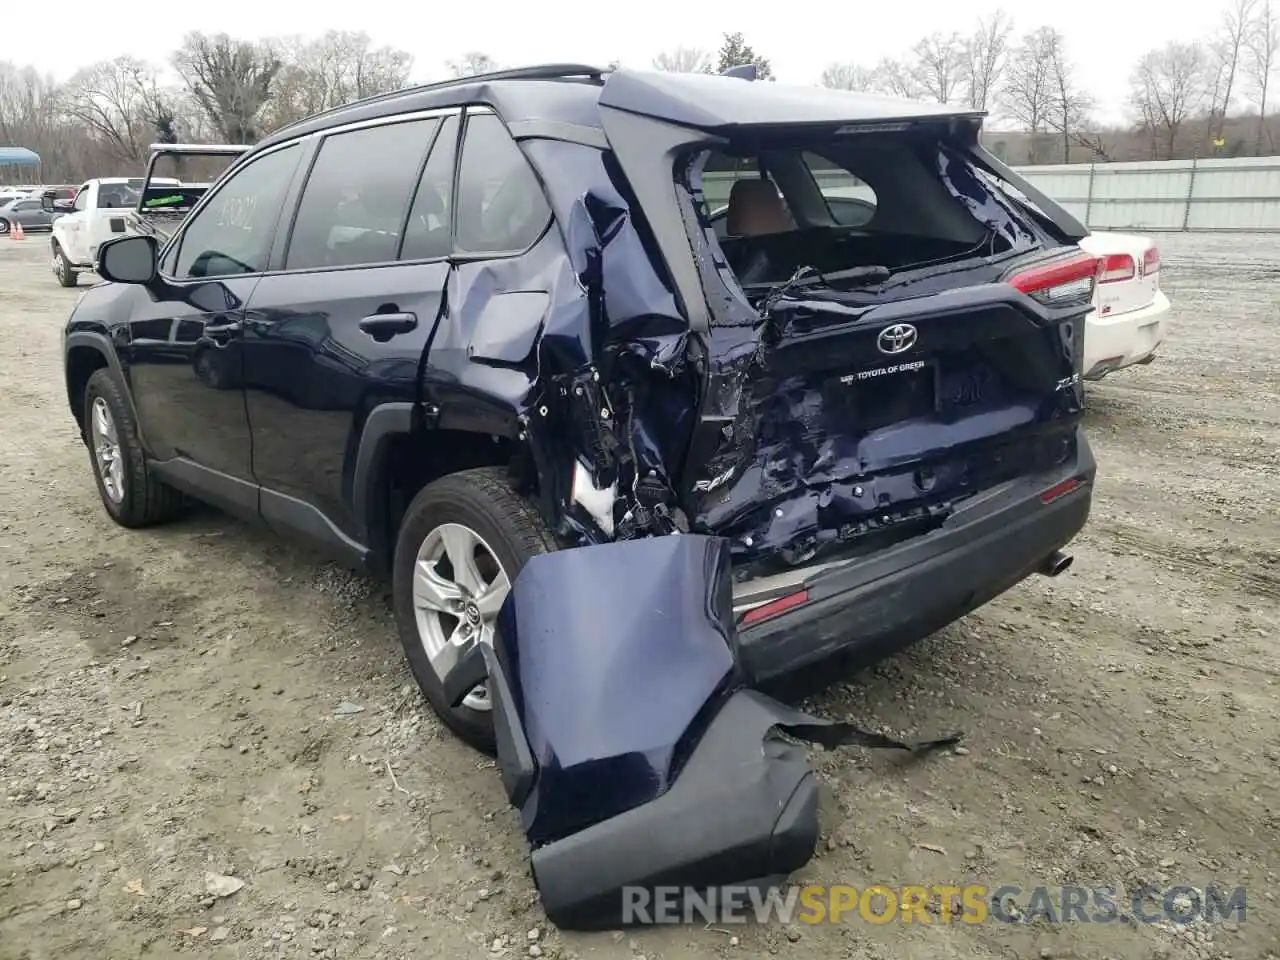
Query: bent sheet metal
{"points": [[626, 736]]}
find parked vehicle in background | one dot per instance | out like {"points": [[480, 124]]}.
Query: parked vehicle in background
{"points": [[98, 212], [1130, 316], [108, 207], [27, 212], [447, 329]]}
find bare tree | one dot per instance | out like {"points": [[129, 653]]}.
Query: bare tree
{"points": [[1069, 103], [230, 79], [896, 78], [938, 66], [1028, 89], [683, 60], [119, 105], [337, 68], [848, 76], [1167, 89], [28, 103], [1262, 45], [1224, 62], [472, 63], [985, 53]]}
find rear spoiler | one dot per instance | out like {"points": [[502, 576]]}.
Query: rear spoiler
{"points": [[169, 198]]}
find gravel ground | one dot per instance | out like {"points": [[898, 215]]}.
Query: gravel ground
{"points": [[208, 700]]}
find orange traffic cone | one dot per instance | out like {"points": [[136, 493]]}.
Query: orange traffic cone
{"points": [[17, 233]]}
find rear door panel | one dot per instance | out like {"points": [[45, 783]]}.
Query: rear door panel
{"points": [[312, 375]]}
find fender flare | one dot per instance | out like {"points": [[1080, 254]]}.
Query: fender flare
{"points": [[100, 344], [395, 418], [384, 422]]}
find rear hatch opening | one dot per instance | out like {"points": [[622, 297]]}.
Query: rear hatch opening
{"points": [[892, 333]]}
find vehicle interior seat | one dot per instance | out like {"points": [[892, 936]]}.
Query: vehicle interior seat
{"points": [[383, 208], [756, 209]]}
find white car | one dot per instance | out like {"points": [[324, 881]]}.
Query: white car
{"points": [[1130, 313]]}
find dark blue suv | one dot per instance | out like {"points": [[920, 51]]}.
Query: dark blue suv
{"points": [[443, 330]]}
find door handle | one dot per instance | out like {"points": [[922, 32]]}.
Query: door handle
{"points": [[221, 333], [384, 326]]}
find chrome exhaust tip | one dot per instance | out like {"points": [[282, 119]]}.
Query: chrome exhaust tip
{"points": [[1056, 563]]}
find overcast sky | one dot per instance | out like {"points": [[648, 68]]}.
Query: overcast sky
{"points": [[1104, 37]]}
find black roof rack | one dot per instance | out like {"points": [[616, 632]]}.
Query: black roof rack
{"points": [[545, 71]]}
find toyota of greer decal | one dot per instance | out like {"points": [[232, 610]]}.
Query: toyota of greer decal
{"points": [[883, 371]]}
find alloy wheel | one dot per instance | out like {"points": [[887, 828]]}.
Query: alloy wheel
{"points": [[106, 449], [459, 586]]}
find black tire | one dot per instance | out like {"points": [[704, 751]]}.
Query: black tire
{"points": [[66, 274], [483, 500], [4, 226], [146, 500]]}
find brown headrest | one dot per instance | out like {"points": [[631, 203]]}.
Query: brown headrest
{"points": [[755, 208]]}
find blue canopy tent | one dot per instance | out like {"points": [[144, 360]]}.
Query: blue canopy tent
{"points": [[18, 164]]}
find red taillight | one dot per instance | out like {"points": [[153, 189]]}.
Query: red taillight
{"points": [[1151, 261], [774, 607], [1058, 490], [1117, 267], [1060, 283]]}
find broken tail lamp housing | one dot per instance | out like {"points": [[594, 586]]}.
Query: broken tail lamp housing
{"points": [[1060, 283]]}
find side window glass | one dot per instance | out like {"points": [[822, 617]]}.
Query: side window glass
{"points": [[501, 207], [354, 204], [851, 201], [427, 234], [82, 198], [233, 232], [115, 196]]}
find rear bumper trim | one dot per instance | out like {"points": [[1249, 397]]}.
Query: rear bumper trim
{"points": [[869, 606]]}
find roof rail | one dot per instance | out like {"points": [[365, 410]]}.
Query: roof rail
{"points": [[545, 71], [746, 71]]}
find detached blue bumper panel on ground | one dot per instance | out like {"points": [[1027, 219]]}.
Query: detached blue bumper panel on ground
{"points": [[627, 739]]}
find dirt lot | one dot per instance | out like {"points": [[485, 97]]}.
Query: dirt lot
{"points": [[180, 702]]}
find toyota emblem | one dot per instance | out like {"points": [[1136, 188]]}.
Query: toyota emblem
{"points": [[898, 338]]}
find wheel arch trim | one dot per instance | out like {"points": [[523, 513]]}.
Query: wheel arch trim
{"points": [[102, 346]]}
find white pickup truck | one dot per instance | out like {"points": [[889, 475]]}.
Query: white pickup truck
{"points": [[108, 207], [99, 212]]}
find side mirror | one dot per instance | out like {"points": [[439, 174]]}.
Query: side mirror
{"points": [[128, 260]]}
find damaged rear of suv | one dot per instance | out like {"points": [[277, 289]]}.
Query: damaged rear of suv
{"points": [[567, 307], [887, 334]]}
